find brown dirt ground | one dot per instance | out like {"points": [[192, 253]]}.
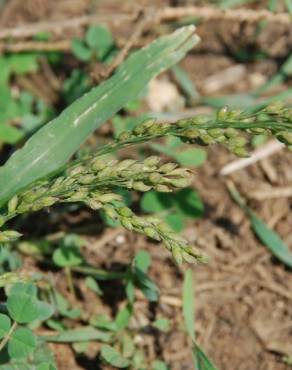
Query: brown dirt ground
{"points": [[243, 295]]}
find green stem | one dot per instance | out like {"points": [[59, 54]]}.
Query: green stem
{"points": [[8, 335]]}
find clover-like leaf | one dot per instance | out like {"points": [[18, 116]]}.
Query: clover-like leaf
{"points": [[21, 343], [5, 325], [23, 308], [113, 357]]}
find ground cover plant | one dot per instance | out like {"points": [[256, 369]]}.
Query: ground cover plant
{"points": [[143, 193]]}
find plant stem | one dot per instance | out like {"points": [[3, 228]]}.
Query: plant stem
{"points": [[8, 335], [70, 282]]}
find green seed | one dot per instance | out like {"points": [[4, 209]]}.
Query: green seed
{"points": [[124, 211], [231, 132], [151, 233], [12, 204], [140, 186], [155, 178]]}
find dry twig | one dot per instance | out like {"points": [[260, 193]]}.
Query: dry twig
{"points": [[164, 15], [263, 152]]}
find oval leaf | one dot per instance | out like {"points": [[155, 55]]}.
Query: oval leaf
{"points": [[112, 357], [5, 325], [21, 343], [22, 308]]}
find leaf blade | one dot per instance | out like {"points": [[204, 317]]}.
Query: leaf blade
{"points": [[52, 146]]}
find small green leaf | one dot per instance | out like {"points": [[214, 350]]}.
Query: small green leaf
{"points": [[5, 325], [142, 260], [62, 136], [146, 285], [45, 310], [112, 357], [202, 362], [67, 257], [22, 342], [159, 365], [93, 285], [20, 288], [193, 157], [154, 202], [22, 63], [22, 307], [10, 134], [104, 322], [271, 240], [46, 366], [100, 39], [189, 304], [83, 334], [189, 203], [175, 220], [128, 346], [81, 51], [124, 316], [162, 324]]}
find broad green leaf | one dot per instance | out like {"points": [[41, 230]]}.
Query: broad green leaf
{"points": [[52, 146], [271, 240], [113, 357], [45, 310], [138, 360], [159, 365], [100, 39], [162, 324], [83, 334], [21, 288], [142, 260], [67, 257], [202, 362], [80, 50], [104, 322], [175, 220], [128, 346], [288, 4], [41, 355], [93, 285], [189, 203], [5, 325], [23, 63], [46, 366], [10, 134], [154, 202], [124, 316], [193, 157], [189, 304], [21, 343], [22, 307], [146, 285]]}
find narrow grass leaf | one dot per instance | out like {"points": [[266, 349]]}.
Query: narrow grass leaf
{"points": [[113, 357], [5, 325], [186, 84], [189, 304], [271, 240], [53, 145], [202, 361], [84, 334]]}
